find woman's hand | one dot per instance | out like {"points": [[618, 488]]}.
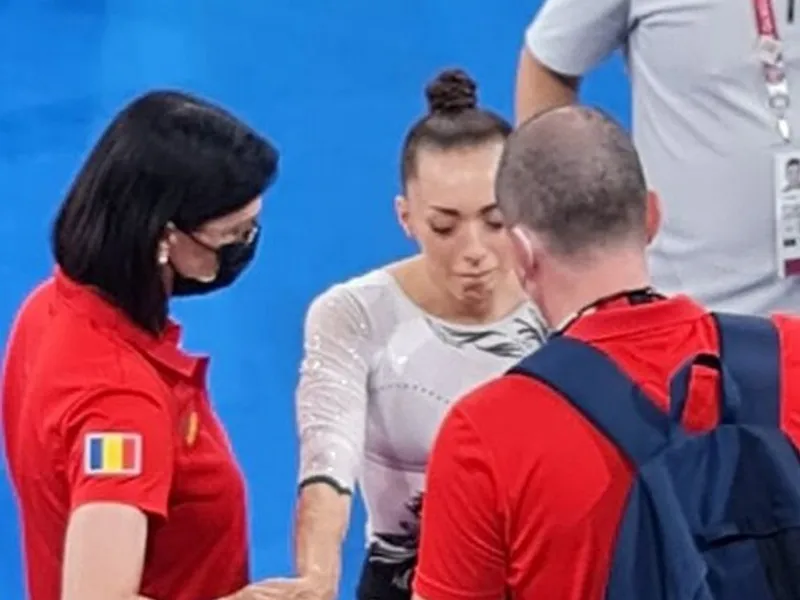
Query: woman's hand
{"points": [[298, 588]]}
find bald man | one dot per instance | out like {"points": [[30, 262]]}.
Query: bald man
{"points": [[524, 496]]}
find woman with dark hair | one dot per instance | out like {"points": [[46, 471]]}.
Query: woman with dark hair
{"points": [[125, 480], [386, 352]]}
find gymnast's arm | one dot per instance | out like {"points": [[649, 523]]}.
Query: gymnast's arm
{"points": [[331, 413]]}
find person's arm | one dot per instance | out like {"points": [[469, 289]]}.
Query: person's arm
{"points": [[462, 546], [789, 336], [112, 537], [566, 39], [110, 505], [321, 520], [331, 414], [538, 88]]}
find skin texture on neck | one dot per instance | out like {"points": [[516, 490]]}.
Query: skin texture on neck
{"points": [[573, 286]]}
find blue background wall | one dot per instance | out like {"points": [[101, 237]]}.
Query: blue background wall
{"points": [[334, 84]]}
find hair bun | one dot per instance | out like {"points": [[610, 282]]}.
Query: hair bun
{"points": [[451, 92]]}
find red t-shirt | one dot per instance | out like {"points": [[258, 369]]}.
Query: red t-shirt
{"points": [[524, 494], [96, 410]]}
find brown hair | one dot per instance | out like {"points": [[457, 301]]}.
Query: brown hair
{"points": [[454, 120]]}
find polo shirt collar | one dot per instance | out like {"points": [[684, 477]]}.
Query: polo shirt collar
{"points": [[620, 319], [164, 349]]}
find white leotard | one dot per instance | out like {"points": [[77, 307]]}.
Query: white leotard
{"points": [[377, 378]]}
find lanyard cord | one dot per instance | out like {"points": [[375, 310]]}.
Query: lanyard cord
{"points": [[633, 297], [770, 52]]}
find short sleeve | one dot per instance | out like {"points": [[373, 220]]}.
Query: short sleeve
{"points": [[120, 448], [571, 37], [462, 545], [331, 399], [789, 333]]}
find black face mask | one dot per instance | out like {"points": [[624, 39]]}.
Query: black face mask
{"points": [[232, 258]]}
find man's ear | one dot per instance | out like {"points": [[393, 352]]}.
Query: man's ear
{"points": [[653, 216], [527, 256], [523, 251]]}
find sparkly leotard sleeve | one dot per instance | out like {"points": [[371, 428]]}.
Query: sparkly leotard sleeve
{"points": [[332, 394]]}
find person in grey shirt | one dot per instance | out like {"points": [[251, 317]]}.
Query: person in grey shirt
{"points": [[702, 124]]}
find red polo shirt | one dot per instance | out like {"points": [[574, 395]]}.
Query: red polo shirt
{"points": [[96, 410], [523, 493]]}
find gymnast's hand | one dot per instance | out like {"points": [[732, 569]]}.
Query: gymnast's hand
{"points": [[296, 588], [272, 589]]}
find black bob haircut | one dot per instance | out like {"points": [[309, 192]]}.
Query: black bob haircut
{"points": [[166, 157]]}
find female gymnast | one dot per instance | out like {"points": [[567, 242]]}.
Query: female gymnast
{"points": [[387, 352]]}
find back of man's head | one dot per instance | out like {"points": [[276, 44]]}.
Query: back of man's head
{"points": [[572, 176]]}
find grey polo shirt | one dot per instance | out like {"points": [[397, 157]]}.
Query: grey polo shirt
{"points": [[703, 129]]}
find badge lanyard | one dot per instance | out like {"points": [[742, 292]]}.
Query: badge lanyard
{"points": [[770, 52], [633, 298]]}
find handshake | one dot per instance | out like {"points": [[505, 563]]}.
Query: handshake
{"points": [[298, 588]]}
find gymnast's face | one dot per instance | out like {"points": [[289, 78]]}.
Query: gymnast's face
{"points": [[450, 210]]}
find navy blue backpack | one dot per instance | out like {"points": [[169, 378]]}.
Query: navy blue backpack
{"points": [[712, 516]]}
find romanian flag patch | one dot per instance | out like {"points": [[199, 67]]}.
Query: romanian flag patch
{"points": [[112, 454]]}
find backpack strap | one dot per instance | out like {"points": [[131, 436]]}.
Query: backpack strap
{"points": [[592, 383], [750, 349]]}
